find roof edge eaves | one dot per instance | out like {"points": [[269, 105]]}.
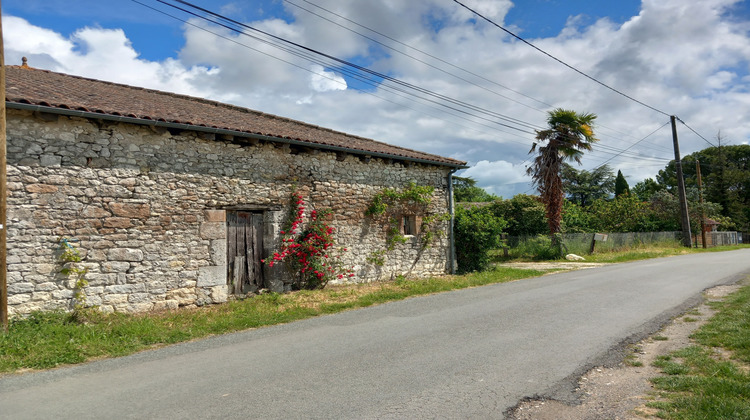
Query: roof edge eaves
{"points": [[204, 129]]}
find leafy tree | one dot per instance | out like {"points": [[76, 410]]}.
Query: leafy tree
{"points": [[466, 190], [568, 135], [621, 185], [726, 179], [667, 211], [624, 214], [583, 187], [525, 215], [646, 188], [477, 231], [576, 219]]}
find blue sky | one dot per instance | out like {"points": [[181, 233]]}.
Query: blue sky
{"points": [[690, 59]]}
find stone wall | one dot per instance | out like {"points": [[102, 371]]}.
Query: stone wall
{"points": [[146, 207]]}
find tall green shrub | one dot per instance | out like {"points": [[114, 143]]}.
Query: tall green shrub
{"points": [[477, 231], [525, 215]]}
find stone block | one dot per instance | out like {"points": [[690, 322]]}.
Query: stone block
{"points": [[123, 289], [215, 215], [218, 252], [213, 230], [18, 299], [50, 160], [115, 267], [96, 255], [183, 296], [46, 269], [125, 254], [41, 188], [46, 287], [91, 212], [140, 307], [166, 305], [62, 294], [41, 296], [15, 288], [117, 222], [219, 294], [130, 210], [139, 297], [212, 276]]}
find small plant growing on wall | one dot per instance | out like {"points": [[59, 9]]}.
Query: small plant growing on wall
{"points": [[70, 257], [309, 249], [405, 213]]}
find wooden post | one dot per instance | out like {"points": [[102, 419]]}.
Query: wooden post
{"points": [[685, 216], [3, 200], [703, 210]]}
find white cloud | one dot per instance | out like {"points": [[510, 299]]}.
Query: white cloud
{"points": [[104, 54], [498, 177], [324, 81]]}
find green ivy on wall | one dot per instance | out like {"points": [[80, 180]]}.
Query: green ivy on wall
{"points": [[390, 205]]}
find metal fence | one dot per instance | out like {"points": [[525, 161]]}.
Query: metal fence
{"points": [[718, 239], [580, 243]]}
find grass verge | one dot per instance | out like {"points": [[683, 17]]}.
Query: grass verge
{"points": [[710, 380], [49, 339]]}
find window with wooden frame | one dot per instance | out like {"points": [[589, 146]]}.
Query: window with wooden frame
{"points": [[409, 225]]}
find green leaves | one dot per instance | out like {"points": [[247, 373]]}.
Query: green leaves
{"points": [[477, 231]]}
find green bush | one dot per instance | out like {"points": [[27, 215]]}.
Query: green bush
{"points": [[524, 214], [539, 247], [477, 231]]}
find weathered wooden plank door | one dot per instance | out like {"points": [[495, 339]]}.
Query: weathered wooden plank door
{"points": [[244, 250]]}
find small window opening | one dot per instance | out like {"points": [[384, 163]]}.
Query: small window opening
{"points": [[409, 225]]}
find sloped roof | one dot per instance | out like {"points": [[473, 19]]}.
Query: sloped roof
{"points": [[57, 91]]}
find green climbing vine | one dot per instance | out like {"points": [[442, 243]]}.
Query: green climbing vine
{"points": [[390, 205], [70, 256]]}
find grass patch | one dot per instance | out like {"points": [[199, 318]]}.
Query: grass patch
{"points": [[660, 338], [689, 319], [49, 339], [700, 382]]}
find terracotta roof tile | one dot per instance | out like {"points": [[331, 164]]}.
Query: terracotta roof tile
{"points": [[57, 90]]}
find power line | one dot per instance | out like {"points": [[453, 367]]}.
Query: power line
{"points": [[357, 67], [696, 133], [557, 59], [361, 78], [311, 55], [629, 147], [427, 54], [420, 51]]}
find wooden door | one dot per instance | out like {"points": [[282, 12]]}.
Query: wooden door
{"points": [[244, 250]]}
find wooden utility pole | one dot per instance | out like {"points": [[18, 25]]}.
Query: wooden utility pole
{"points": [[684, 215], [3, 195], [700, 195]]}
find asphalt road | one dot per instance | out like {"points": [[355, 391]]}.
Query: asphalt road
{"points": [[466, 354]]}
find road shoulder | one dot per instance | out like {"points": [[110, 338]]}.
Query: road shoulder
{"points": [[621, 392]]}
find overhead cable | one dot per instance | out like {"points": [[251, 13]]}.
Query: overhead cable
{"points": [[696, 133], [361, 78], [422, 52], [558, 60]]}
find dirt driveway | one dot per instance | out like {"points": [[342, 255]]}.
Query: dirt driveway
{"points": [[555, 265]]}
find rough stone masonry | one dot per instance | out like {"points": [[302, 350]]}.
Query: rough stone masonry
{"points": [[146, 207]]}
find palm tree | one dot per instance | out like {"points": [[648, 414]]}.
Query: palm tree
{"points": [[568, 136]]}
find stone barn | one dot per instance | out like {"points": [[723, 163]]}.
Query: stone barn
{"points": [[170, 200]]}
